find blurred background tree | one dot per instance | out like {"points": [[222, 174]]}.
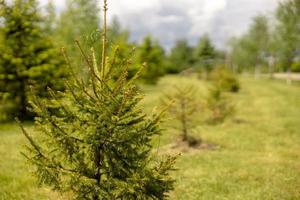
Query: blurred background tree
{"points": [[288, 30], [249, 51], [153, 55], [85, 14], [27, 57], [204, 55], [183, 105], [181, 57]]}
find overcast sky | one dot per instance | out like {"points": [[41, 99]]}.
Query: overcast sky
{"points": [[169, 20]]}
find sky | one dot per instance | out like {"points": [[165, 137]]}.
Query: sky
{"points": [[169, 20]]}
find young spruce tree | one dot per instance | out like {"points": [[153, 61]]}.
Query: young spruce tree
{"points": [[183, 110], [97, 145], [218, 105]]}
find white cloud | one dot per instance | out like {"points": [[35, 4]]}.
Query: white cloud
{"points": [[170, 19], [59, 3]]}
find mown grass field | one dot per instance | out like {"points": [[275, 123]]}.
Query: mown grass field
{"points": [[258, 155]]}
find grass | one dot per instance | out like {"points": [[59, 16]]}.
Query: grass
{"points": [[258, 156]]}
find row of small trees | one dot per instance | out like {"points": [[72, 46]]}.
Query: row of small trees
{"points": [[190, 109]]}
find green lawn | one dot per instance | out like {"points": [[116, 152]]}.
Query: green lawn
{"points": [[258, 158]]}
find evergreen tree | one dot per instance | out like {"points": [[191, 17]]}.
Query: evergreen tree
{"points": [[97, 145], [224, 79], [153, 55], [205, 54], [26, 56], [183, 108], [181, 57], [218, 105]]}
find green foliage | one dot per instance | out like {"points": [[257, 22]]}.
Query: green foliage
{"points": [[183, 105], [296, 67], [27, 56], [288, 16], [251, 49], [96, 145], [85, 15], [153, 55], [181, 57], [218, 105], [224, 79], [259, 37], [260, 43], [205, 54], [265, 136]]}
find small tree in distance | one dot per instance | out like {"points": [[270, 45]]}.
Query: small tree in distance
{"points": [[218, 105], [97, 143], [183, 108], [224, 79]]}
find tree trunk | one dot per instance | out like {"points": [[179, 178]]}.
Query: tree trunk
{"points": [[183, 121]]}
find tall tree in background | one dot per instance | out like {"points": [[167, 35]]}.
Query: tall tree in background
{"points": [[251, 49], [26, 56], [181, 57], [119, 40], [85, 14], [238, 56], [153, 55], [114, 31], [205, 54], [258, 38], [288, 30]]}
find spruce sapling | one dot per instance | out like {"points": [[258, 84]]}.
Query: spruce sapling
{"points": [[218, 105], [97, 145], [183, 108]]}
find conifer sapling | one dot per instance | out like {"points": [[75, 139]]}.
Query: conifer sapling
{"points": [[97, 145], [218, 105], [183, 110]]}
